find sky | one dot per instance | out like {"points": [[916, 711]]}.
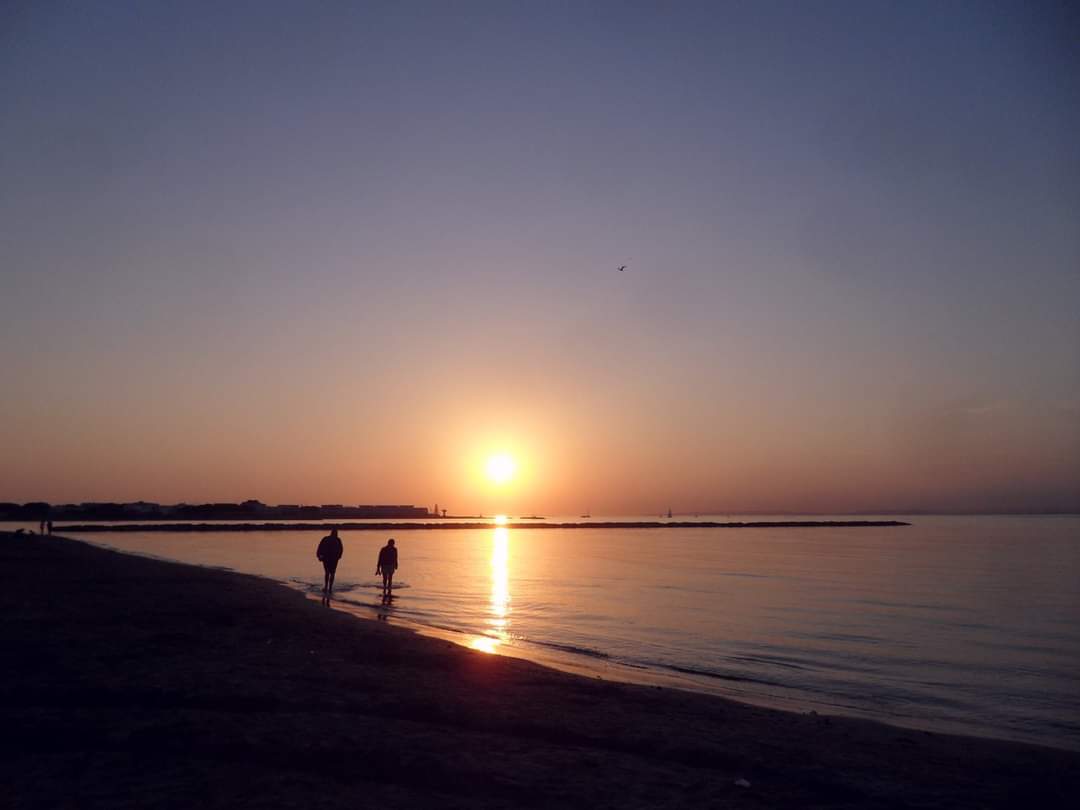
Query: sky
{"points": [[340, 252]]}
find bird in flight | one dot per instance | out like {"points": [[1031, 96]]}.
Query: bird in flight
{"points": [[622, 268]]}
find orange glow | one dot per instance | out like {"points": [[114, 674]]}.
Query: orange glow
{"points": [[485, 644]]}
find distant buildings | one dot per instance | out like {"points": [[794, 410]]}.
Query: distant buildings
{"points": [[145, 510]]}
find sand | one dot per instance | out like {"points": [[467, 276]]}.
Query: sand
{"points": [[130, 682]]}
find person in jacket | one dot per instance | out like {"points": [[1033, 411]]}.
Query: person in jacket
{"points": [[386, 566], [328, 553]]}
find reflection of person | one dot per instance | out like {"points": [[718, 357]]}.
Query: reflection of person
{"points": [[329, 552], [386, 566]]}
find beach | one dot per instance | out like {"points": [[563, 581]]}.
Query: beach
{"points": [[138, 683]]}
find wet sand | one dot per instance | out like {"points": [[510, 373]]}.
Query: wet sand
{"points": [[130, 682]]}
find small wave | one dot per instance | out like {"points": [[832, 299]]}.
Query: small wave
{"points": [[570, 648], [767, 659], [374, 602], [357, 602], [847, 637], [305, 587], [909, 605], [720, 676], [339, 584], [366, 586], [1065, 725]]}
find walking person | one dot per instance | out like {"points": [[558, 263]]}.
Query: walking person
{"points": [[386, 566], [328, 553], [48, 526]]}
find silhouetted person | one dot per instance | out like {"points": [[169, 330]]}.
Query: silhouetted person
{"points": [[48, 526], [329, 552], [386, 566], [41, 527]]}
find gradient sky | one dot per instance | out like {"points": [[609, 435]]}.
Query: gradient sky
{"points": [[340, 252]]}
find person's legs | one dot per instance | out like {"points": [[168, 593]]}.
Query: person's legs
{"points": [[330, 569], [389, 586]]}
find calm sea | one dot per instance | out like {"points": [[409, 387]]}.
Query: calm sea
{"points": [[960, 624]]}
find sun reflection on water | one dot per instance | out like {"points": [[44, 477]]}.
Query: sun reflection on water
{"points": [[485, 644], [500, 575], [499, 606]]}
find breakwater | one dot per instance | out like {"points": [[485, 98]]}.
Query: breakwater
{"points": [[420, 526]]}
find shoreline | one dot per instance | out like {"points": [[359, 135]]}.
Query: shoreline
{"points": [[488, 524], [591, 662], [142, 683]]}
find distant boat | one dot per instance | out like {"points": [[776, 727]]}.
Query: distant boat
{"points": [[669, 512], [586, 515]]}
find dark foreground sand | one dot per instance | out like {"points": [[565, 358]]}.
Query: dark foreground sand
{"points": [[134, 683]]}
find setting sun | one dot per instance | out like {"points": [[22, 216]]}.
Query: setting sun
{"points": [[500, 468]]}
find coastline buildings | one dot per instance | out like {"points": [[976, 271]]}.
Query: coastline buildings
{"points": [[248, 510]]}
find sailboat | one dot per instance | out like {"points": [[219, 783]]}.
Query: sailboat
{"points": [[669, 511]]}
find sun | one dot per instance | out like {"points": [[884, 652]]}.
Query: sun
{"points": [[500, 468]]}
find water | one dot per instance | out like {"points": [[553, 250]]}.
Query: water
{"points": [[960, 624]]}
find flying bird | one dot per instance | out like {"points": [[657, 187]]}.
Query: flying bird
{"points": [[622, 268]]}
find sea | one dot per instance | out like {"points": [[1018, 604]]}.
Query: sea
{"points": [[957, 624]]}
